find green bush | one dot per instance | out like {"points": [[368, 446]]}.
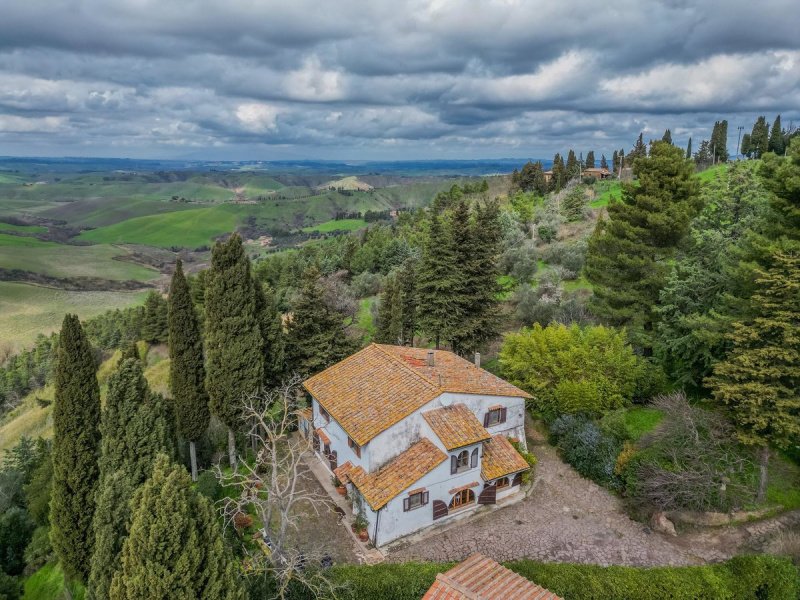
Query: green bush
{"points": [[208, 485], [592, 452], [744, 577], [10, 587], [39, 549]]}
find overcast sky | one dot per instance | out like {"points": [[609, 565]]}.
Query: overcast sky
{"points": [[341, 79]]}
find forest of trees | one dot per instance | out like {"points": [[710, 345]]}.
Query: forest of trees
{"points": [[675, 291]]}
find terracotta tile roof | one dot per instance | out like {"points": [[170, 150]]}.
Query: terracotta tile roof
{"points": [[481, 578], [343, 471], [453, 373], [501, 458], [323, 436], [401, 473], [456, 426], [378, 386]]}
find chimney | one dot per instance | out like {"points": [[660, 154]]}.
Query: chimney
{"points": [[478, 359], [430, 358]]}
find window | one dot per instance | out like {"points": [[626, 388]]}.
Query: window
{"points": [[502, 482], [462, 498], [463, 461], [494, 416], [415, 500], [356, 448], [324, 414]]}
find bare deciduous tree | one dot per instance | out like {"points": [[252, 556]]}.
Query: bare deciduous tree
{"points": [[276, 486]]}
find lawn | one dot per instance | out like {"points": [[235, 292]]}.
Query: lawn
{"points": [[187, 229], [605, 192], [641, 420], [711, 173], [364, 318], [64, 260], [340, 225], [27, 310], [48, 584]]}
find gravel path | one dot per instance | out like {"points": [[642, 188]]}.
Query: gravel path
{"points": [[567, 518]]}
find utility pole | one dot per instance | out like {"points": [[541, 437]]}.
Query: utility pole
{"points": [[739, 139]]}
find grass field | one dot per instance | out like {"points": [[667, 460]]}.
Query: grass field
{"points": [[22, 228], [98, 212], [189, 228], [606, 190], [712, 172], [340, 225], [62, 260], [27, 310], [641, 420]]}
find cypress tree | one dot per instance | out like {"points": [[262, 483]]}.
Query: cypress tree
{"points": [[573, 168], [389, 326], [233, 343], [559, 173], [155, 326], [130, 350], [407, 282], [760, 378], [437, 282], [76, 416], [759, 138], [174, 547], [746, 149], [639, 150], [316, 336], [590, 159], [615, 162], [572, 206], [187, 374], [719, 141], [689, 149], [628, 255], [667, 137], [603, 162], [271, 324], [776, 143], [135, 430]]}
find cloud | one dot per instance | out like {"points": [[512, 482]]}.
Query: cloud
{"points": [[356, 79]]}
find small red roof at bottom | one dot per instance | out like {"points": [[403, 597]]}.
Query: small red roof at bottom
{"points": [[481, 578]]}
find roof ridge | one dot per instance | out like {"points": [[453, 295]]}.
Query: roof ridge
{"points": [[402, 363]]}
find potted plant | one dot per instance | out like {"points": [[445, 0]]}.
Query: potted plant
{"points": [[339, 486], [360, 528]]}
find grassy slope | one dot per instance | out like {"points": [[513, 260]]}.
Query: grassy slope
{"points": [[48, 584], [22, 228], [62, 260], [27, 310], [189, 228], [340, 225]]}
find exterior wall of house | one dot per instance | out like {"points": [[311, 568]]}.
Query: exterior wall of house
{"points": [[394, 522], [338, 439]]}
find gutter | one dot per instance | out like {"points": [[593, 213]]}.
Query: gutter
{"points": [[377, 524]]}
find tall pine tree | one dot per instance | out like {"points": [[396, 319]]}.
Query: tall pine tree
{"points": [[573, 167], [316, 336], [389, 324], [689, 149], [187, 374], [174, 547], [155, 328], [271, 323], [628, 255], [759, 380], [76, 440], [667, 137], [776, 143], [719, 141], [135, 430], [590, 159], [233, 342], [759, 137], [603, 162]]}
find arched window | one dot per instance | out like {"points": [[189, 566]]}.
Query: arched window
{"points": [[462, 498], [462, 462], [502, 482]]}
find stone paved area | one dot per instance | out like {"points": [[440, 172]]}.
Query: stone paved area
{"points": [[567, 518]]}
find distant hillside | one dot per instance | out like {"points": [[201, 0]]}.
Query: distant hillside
{"points": [[352, 183]]}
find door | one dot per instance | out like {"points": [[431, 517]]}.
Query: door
{"points": [[488, 495], [439, 509]]}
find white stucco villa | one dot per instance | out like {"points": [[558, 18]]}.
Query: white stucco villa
{"points": [[416, 435]]}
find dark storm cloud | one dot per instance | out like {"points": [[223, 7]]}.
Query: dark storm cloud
{"points": [[357, 79]]}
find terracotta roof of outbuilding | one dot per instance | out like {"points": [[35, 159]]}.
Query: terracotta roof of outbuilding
{"points": [[501, 458], [378, 386], [481, 578], [401, 473], [456, 426]]}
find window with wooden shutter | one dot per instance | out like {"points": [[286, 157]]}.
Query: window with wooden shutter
{"points": [[459, 463], [494, 416], [473, 462], [517, 479], [356, 448], [415, 500], [453, 465], [439, 509]]}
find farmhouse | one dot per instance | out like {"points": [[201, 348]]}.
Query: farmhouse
{"points": [[416, 435]]}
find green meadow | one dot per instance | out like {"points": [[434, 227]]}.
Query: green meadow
{"points": [[27, 310], [340, 225], [63, 260]]}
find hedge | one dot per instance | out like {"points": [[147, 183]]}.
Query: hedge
{"points": [[744, 577]]}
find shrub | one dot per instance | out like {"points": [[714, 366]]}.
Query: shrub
{"points": [[16, 529], [584, 446], [10, 587], [520, 262], [366, 284], [571, 256], [590, 369], [242, 520], [208, 485], [39, 550]]}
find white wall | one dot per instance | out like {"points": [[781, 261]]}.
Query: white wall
{"points": [[338, 439], [479, 404]]}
